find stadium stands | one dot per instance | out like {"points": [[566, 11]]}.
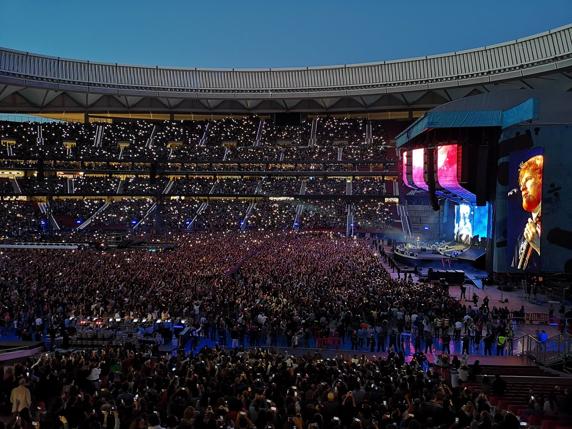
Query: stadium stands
{"points": [[139, 167]]}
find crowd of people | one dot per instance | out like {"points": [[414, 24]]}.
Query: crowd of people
{"points": [[240, 293], [60, 218], [241, 273], [251, 288], [240, 389], [90, 185], [120, 172], [245, 139]]}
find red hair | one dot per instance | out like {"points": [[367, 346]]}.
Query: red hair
{"points": [[534, 165]]}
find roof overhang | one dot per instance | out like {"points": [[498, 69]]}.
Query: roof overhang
{"points": [[38, 83], [524, 111]]}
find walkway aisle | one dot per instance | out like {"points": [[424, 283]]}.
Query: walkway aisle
{"points": [[394, 273]]}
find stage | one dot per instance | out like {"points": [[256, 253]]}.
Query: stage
{"points": [[438, 251], [428, 258], [16, 350]]}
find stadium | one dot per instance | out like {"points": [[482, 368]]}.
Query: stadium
{"points": [[367, 246]]}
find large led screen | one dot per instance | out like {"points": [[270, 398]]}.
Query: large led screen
{"points": [[418, 162], [471, 221], [404, 170], [481, 221], [525, 209], [448, 171]]}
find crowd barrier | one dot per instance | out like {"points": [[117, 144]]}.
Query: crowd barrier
{"points": [[325, 342], [533, 318]]}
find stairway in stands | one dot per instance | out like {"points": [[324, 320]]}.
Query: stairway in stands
{"points": [[259, 133], [98, 137], [149, 141], [45, 209], [15, 186], [201, 208], [153, 207], [523, 382], [300, 207], [251, 207], [404, 218], [103, 207], [313, 133], [98, 212], [205, 137]]}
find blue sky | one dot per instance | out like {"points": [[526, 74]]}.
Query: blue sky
{"points": [[267, 33]]}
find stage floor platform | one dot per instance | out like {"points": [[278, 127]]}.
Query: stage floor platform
{"points": [[472, 254], [14, 350]]}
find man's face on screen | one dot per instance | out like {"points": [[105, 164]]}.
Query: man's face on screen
{"points": [[531, 189]]}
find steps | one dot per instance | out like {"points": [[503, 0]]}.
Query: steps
{"points": [[251, 207], [405, 225], [149, 211], [153, 207], [45, 209], [89, 220], [522, 383], [516, 370], [300, 207], [349, 220], [249, 210], [120, 186], [9, 150], [168, 188], [259, 133], [39, 136], [201, 208], [16, 186], [205, 137], [368, 133], [98, 138], [149, 141], [313, 132], [70, 188]]}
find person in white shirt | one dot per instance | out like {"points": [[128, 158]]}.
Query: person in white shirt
{"points": [[464, 374], [94, 375]]}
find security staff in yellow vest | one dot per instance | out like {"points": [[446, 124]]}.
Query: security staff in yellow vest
{"points": [[501, 342]]}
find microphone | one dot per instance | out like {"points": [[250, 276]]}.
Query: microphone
{"points": [[513, 192]]}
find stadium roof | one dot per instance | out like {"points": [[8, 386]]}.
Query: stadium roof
{"points": [[37, 83]]}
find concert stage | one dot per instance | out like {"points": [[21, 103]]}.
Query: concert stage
{"points": [[16, 350], [442, 257], [482, 162], [472, 254], [444, 252]]}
